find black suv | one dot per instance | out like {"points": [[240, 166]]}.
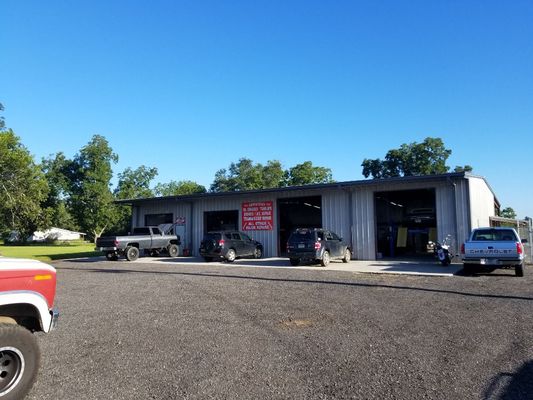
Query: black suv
{"points": [[317, 244], [229, 245]]}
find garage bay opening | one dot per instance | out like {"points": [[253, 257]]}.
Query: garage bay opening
{"points": [[297, 212], [405, 222]]}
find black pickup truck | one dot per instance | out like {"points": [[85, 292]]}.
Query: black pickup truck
{"points": [[148, 238]]}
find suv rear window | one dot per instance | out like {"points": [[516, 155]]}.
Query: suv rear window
{"points": [[302, 235], [212, 236]]}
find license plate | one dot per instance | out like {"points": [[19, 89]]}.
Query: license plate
{"points": [[301, 246]]}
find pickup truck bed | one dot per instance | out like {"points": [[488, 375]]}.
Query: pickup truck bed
{"points": [[492, 248]]}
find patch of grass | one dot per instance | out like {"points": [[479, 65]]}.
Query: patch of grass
{"points": [[49, 252]]}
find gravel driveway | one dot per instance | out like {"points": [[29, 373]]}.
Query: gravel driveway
{"points": [[161, 331]]}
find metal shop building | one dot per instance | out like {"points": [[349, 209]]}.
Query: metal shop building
{"points": [[381, 218]]}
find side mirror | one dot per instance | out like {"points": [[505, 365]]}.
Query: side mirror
{"points": [[524, 240]]}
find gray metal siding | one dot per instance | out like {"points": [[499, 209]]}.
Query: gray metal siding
{"points": [[364, 225]]}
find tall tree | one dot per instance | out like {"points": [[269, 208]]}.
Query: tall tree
{"points": [[426, 158], [243, 175], [178, 188], [306, 174], [23, 187], [91, 197], [135, 183], [56, 169]]}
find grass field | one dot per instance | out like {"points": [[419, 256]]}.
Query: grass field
{"points": [[49, 252]]}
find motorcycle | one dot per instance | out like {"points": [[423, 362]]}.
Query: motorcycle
{"points": [[443, 251]]}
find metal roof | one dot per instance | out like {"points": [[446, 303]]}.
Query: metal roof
{"points": [[340, 185]]}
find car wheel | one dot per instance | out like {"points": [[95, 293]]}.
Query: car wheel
{"points": [[325, 259], [111, 256], [230, 255], [19, 361], [519, 270], [132, 253], [347, 256], [173, 250], [208, 259], [258, 252], [294, 261]]}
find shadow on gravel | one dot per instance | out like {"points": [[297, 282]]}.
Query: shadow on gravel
{"points": [[314, 282], [519, 385]]}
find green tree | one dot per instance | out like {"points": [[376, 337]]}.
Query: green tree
{"points": [[55, 169], [508, 212], [273, 175], [23, 187], [135, 184], [90, 173], [307, 174], [243, 175], [178, 188], [426, 158]]}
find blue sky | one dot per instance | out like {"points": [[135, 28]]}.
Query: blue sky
{"points": [[191, 86]]}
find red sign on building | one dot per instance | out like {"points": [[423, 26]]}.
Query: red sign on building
{"points": [[257, 216]]}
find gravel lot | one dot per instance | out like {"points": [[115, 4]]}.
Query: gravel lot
{"points": [[163, 331]]}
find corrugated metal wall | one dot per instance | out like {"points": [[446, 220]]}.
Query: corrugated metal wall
{"points": [[348, 211]]}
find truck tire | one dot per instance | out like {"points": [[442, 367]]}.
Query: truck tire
{"points": [[132, 253], [19, 361], [519, 270], [173, 250]]}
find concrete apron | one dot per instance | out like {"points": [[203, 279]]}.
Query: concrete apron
{"points": [[425, 267]]}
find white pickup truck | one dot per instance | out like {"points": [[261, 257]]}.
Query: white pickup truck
{"points": [[491, 248]]}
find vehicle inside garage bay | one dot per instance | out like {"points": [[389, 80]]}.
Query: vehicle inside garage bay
{"points": [[380, 218]]}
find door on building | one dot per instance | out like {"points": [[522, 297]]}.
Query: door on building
{"points": [[405, 222], [297, 212], [221, 220]]}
